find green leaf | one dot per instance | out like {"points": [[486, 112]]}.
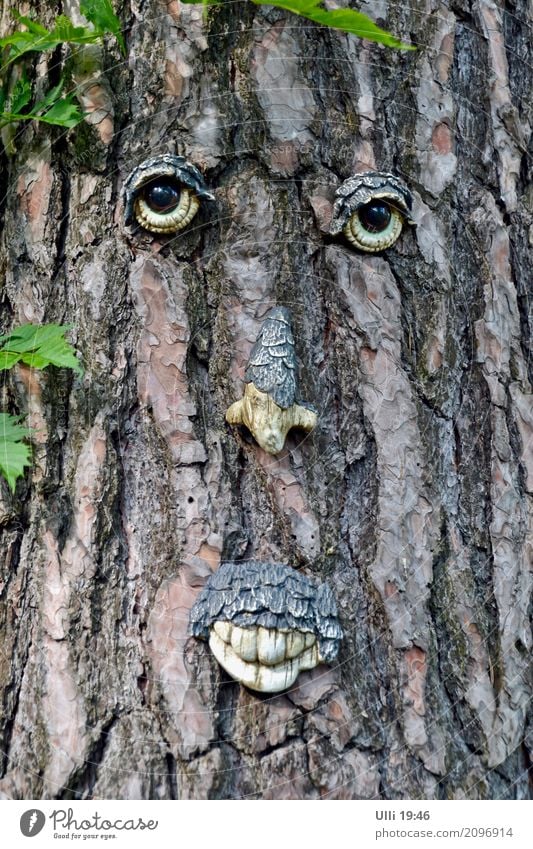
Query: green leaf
{"points": [[38, 38], [14, 453], [21, 94], [63, 113], [33, 360], [40, 346], [101, 14], [33, 27], [8, 359], [18, 43], [61, 116], [37, 347], [50, 97], [52, 109], [65, 31], [347, 20]]}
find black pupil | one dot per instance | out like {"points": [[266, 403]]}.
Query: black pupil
{"points": [[374, 216], [162, 195]]}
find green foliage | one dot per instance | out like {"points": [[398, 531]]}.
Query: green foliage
{"points": [[100, 13], [36, 38], [347, 20], [14, 453], [55, 107], [37, 347], [51, 109]]}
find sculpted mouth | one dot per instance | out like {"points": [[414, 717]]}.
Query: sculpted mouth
{"points": [[266, 623], [263, 659]]}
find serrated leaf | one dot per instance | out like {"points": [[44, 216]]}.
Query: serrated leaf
{"points": [[34, 27], [46, 342], [21, 94], [33, 360], [14, 453], [38, 38], [66, 31], [50, 97], [18, 44], [347, 20], [64, 113], [100, 13], [8, 359], [16, 39], [63, 116], [55, 353]]}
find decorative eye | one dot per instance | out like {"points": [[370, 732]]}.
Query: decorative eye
{"points": [[370, 209], [163, 194]]}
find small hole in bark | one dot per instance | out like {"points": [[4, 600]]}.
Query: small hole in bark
{"points": [[190, 499]]}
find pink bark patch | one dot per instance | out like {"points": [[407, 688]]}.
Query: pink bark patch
{"points": [[34, 188], [442, 139], [284, 159], [167, 635], [444, 59], [415, 660], [163, 380], [323, 210]]}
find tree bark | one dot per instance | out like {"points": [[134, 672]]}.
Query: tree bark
{"points": [[412, 498]]}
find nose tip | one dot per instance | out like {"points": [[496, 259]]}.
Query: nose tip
{"points": [[271, 441]]}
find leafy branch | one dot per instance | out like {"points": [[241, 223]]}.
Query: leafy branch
{"points": [[55, 107], [51, 109], [37, 347], [347, 20]]}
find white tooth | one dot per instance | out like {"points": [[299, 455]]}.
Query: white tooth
{"points": [[310, 639], [295, 643], [271, 645], [273, 679], [244, 642], [265, 679], [224, 630], [309, 659]]}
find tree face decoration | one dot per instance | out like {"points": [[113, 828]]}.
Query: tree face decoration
{"points": [[164, 193], [269, 408], [266, 623], [371, 209]]}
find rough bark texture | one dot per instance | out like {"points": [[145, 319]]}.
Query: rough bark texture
{"points": [[413, 497]]}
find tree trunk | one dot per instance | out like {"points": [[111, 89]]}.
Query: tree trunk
{"points": [[412, 498]]}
